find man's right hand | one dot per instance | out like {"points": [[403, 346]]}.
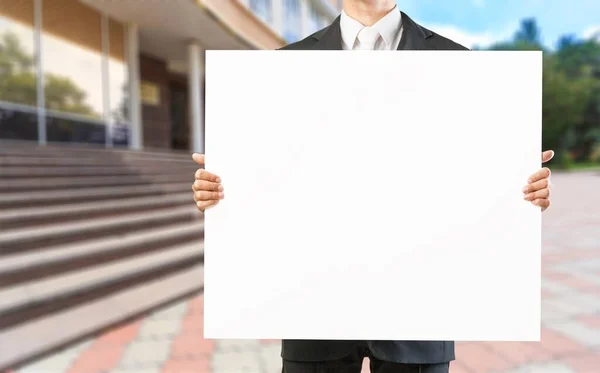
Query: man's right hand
{"points": [[207, 187]]}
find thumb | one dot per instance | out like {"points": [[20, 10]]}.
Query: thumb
{"points": [[198, 158], [547, 155]]}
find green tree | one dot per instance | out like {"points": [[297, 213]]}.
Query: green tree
{"points": [[571, 90], [529, 33], [580, 61], [62, 94], [564, 102], [17, 78]]}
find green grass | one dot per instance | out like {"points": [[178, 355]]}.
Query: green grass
{"points": [[583, 166]]}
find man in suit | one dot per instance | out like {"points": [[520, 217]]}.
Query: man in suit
{"points": [[374, 25]]}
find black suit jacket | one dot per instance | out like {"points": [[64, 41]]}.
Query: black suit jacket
{"points": [[414, 37]]}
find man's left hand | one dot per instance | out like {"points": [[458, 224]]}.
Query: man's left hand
{"points": [[538, 189]]}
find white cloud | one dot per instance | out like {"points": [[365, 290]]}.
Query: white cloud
{"points": [[463, 37], [591, 32], [471, 39]]}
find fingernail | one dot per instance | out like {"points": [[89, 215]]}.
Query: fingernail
{"points": [[218, 180], [220, 188], [529, 181], [221, 195], [525, 190], [527, 196]]}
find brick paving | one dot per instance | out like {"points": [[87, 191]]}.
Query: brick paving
{"points": [[170, 340]]}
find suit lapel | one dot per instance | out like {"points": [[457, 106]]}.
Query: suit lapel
{"points": [[413, 36], [330, 38]]}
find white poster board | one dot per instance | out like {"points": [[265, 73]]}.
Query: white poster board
{"points": [[373, 195]]}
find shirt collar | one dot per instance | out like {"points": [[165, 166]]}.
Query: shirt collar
{"points": [[388, 27]]}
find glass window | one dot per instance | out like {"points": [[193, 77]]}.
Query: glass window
{"points": [[18, 123], [262, 8], [85, 84], [72, 70], [18, 72], [62, 128], [72, 61], [292, 21]]}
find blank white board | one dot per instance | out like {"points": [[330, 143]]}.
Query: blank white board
{"points": [[373, 195]]}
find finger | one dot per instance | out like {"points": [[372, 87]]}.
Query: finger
{"points": [[202, 174], [207, 196], [542, 193], [206, 185], [541, 184], [543, 203], [541, 174], [198, 158], [547, 155], [203, 205]]}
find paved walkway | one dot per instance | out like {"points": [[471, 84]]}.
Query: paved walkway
{"points": [[170, 341]]}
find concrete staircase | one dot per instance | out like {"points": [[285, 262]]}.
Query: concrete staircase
{"points": [[90, 238]]}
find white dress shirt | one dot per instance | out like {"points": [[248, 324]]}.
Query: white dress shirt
{"points": [[389, 30]]}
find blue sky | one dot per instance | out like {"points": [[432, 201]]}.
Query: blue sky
{"points": [[485, 21]]}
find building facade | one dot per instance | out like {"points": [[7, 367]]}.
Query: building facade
{"points": [[129, 73]]}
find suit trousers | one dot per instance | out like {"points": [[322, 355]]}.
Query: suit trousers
{"points": [[353, 362]]}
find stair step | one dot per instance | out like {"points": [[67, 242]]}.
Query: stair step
{"points": [[19, 161], [48, 334], [53, 183], [90, 238], [44, 307], [14, 301], [39, 198], [22, 172], [30, 149], [23, 217], [39, 237], [61, 259]]}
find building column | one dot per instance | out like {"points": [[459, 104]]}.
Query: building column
{"points": [[106, 80], [196, 96], [135, 105], [41, 95]]}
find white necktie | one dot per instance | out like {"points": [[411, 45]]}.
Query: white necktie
{"points": [[367, 38]]}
